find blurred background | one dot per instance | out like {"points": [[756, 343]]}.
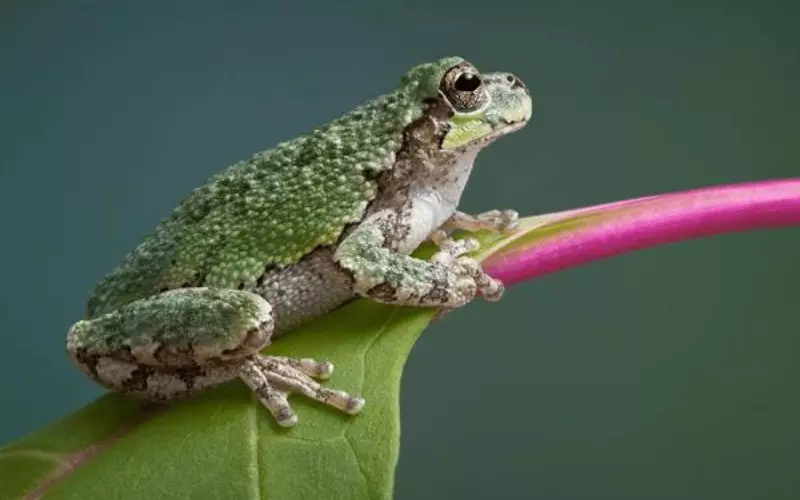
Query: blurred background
{"points": [[668, 373]]}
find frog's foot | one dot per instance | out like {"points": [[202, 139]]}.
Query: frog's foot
{"points": [[273, 378], [498, 221], [451, 253], [450, 249]]}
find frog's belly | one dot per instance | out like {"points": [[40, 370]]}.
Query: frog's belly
{"points": [[303, 291]]}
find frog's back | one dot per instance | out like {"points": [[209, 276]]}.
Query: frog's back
{"points": [[269, 210]]}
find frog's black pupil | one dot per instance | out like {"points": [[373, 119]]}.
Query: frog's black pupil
{"points": [[467, 82]]}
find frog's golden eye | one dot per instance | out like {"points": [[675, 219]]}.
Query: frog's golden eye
{"points": [[463, 88]]}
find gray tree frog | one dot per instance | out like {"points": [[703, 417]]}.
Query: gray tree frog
{"points": [[293, 232]]}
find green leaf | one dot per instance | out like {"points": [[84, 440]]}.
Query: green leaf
{"points": [[224, 444]]}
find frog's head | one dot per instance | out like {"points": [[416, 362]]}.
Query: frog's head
{"points": [[480, 107]]}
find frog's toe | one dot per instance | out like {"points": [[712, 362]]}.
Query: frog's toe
{"points": [[286, 417], [278, 405], [356, 405], [449, 248], [273, 399], [502, 221], [318, 369]]}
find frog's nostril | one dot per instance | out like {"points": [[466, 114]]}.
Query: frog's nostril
{"points": [[515, 82]]}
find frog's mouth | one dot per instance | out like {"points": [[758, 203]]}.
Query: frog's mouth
{"points": [[505, 126], [478, 130], [510, 126], [479, 134]]}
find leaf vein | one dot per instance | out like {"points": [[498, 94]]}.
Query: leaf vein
{"points": [[254, 438], [358, 463]]}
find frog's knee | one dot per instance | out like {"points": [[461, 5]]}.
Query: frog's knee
{"points": [[77, 335]]}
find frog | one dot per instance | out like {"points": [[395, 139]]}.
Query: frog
{"points": [[293, 232]]}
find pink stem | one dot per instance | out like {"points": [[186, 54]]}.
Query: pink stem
{"points": [[615, 228]]}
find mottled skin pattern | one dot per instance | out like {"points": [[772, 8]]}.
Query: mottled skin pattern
{"points": [[296, 231]]}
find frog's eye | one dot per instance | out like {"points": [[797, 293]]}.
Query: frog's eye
{"points": [[463, 88], [467, 82]]}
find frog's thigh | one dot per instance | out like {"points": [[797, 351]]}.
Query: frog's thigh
{"points": [[173, 344]]}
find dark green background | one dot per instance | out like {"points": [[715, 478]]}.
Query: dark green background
{"points": [[669, 373]]}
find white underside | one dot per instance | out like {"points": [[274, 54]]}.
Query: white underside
{"points": [[433, 201]]}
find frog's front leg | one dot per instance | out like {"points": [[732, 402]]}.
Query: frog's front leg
{"points": [[498, 221], [183, 341], [383, 273]]}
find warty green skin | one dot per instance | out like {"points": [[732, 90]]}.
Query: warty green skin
{"points": [[270, 209], [295, 231]]}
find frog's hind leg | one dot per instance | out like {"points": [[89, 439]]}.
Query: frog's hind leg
{"points": [[173, 344], [183, 341]]}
